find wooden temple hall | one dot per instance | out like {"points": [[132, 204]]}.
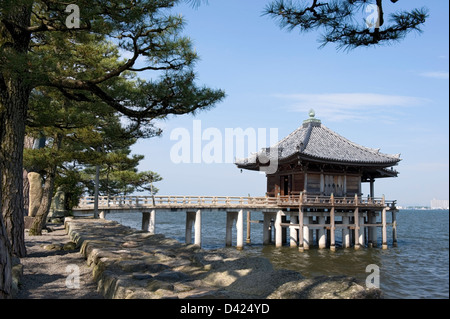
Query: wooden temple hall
{"points": [[317, 185]]}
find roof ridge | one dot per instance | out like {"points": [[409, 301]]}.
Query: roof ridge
{"points": [[288, 136], [362, 147], [305, 142]]}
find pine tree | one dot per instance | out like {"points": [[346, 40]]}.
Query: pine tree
{"points": [[77, 134], [38, 36], [348, 23]]}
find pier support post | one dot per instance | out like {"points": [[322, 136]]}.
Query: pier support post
{"points": [[194, 219], [357, 230], [361, 231], [267, 233], [145, 221], [240, 230], [284, 230], [345, 232], [332, 231], [301, 219], [372, 218], [189, 221], [238, 218], [307, 236], [229, 229], [394, 228], [383, 231], [322, 241], [249, 218], [278, 230], [148, 221], [198, 228], [293, 231], [152, 224]]}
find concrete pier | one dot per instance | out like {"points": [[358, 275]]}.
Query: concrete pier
{"points": [[267, 227], [322, 240], [307, 233], [394, 229], [383, 230], [194, 219], [278, 229], [357, 228], [235, 218], [346, 232], [148, 221], [372, 230], [301, 241], [332, 230], [293, 232]]}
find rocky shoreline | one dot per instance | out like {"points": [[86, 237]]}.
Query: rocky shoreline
{"points": [[130, 264]]}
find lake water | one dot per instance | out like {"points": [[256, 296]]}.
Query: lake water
{"points": [[417, 268]]}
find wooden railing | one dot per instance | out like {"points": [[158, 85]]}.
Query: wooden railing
{"points": [[87, 202]]}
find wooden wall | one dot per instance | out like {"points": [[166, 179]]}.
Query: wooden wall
{"points": [[338, 184]]}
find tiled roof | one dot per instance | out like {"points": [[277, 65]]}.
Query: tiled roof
{"points": [[317, 142]]}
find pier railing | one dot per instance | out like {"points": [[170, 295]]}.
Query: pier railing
{"points": [[129, 202]]}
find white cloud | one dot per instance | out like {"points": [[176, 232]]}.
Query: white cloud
{"points": [[436, 75], [350, 106]]}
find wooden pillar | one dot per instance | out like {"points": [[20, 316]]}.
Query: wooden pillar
{"points": [[383, 231], [278, 230], [293, 231], [394, 228], [322, 183], [345, 232], [305, 184], [372, 189], [345, 184]]}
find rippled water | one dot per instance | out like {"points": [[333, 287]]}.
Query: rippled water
{"points": [[417, 268]]}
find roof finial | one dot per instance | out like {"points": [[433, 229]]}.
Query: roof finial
{"points": [[312, 120]]}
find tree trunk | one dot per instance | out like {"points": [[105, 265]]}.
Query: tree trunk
{"points": [[5, 262], [41, 216], [47, 194], [12, 136], [15, 90]]}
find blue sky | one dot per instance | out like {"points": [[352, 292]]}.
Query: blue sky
{"points": [[395, 98]]}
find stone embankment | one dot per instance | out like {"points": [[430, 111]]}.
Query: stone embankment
{"points": [[132, 264]]}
